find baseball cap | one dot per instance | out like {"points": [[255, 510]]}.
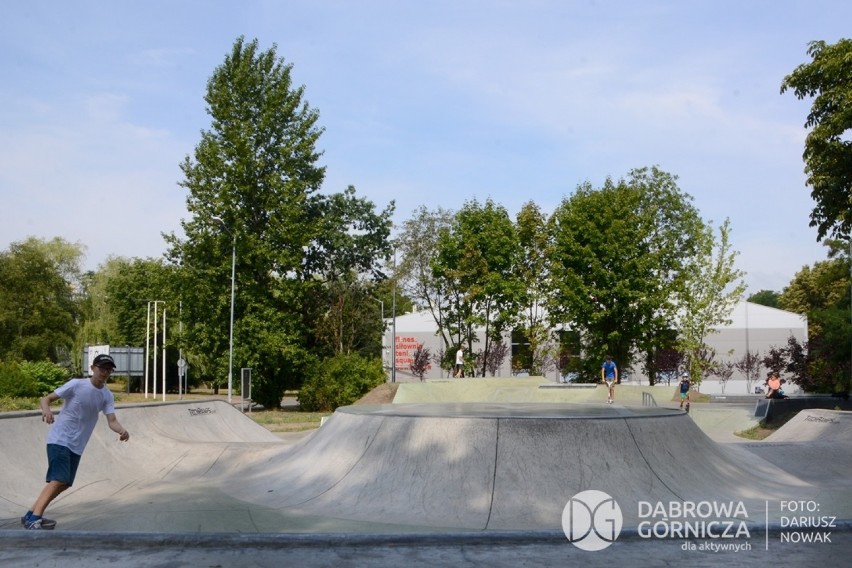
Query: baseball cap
{"points": [[103, 360], [684, 374]]}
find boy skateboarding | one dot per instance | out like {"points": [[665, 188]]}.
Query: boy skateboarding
{"points": [[84, 399]]}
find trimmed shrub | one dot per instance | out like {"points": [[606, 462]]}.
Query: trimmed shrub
{"points": [[340, 381], [46, 375], [15, 383]]}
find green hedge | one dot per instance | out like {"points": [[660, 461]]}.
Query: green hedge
{"points": [[29, 379], [340, 381]]}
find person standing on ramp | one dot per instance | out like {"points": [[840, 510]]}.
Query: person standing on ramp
{"points": [[609, 375], [684, 389], [84, 399]]}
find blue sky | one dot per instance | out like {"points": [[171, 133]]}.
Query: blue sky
{"points": [[425, 103]]}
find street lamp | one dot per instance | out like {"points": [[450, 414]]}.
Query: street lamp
{"points": [[393, 325], [231, 333], [382, 304]]}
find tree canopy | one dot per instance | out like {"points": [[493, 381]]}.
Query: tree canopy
{"points": [[618, 260], [476, 258], [827, 78], [253, 192], [711, 290], [40, 290]]}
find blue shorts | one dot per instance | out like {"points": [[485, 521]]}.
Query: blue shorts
{"points": [[62, 464]]}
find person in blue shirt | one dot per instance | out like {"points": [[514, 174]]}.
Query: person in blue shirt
{"points": [[609, 375]]}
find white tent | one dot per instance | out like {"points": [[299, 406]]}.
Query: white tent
{"points": [[753, 327]]}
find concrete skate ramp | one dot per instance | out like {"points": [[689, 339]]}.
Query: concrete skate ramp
{"points": [[160, 471], [815, 446], [193, 467], [816, 425], [508, 466]]}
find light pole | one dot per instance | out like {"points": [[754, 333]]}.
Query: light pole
{"points": [[382, 304], [231, 333], [393, 325]]}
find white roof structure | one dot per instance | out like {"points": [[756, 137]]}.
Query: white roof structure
{"points": [[748, 315]]}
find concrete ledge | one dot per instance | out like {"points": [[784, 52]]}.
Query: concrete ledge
{"points": [[529, 410], [771, 407]]}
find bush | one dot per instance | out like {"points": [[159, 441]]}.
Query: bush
{"points": [[15, 383], [340, 381], [46, 375]]}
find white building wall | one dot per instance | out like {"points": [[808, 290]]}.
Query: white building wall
{"points": [[416, 329], [753, 327]]}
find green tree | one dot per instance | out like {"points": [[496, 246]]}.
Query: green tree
{"points": [[417, 247], [827, 79], [342, 269], [123, 291], [476, 260], [821, 286], [249, 185], [711, 290], [252, 188], [99, 324], [117, 296], [349, 323], [39, 300], [822, 293], [767, 298], [618, 260], [538, 356]]}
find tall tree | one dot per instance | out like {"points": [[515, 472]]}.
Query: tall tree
{"points": [[828, 150], [476, 259], [539, 354], [711, 290], [250, 184], [417, 247], [617, 263], [117, 296], [822, 293], [39, 300], [253, 194]]}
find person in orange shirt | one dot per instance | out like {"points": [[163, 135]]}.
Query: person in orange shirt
{"points": [[773, 384]]}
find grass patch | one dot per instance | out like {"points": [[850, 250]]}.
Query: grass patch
{"points": [[287, 420], [764, 429], [13, 404]]}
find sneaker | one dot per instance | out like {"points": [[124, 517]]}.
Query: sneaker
{"points": [[38, 524]]}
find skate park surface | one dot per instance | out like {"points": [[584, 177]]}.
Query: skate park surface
{"points": [[454, 472]]}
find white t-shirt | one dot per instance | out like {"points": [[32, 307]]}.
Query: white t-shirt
{"points": [[459, 357], [79, 414]]}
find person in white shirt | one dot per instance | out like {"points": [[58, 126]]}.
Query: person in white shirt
{"points": [[84, 400], [459, 363]]}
